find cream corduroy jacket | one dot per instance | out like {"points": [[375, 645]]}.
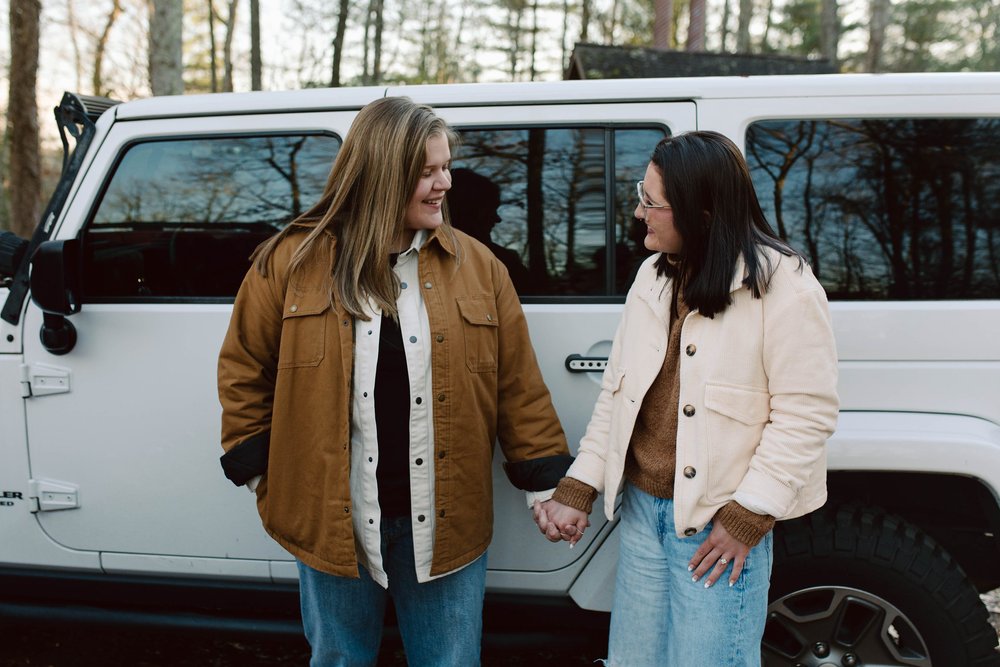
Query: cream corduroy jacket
{"points": [[758, 396]]}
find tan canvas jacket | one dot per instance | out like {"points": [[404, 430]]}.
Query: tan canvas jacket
{"points": [[285, 386]]}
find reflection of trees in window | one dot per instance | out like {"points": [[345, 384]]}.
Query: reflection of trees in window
{"points": [[886, 208], [239, 179]]}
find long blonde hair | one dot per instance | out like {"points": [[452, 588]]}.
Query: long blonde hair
{"points": [[364, 202]]}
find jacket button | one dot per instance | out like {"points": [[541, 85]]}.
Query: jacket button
{"points": [[441, 514], [419, 462], [293, 309], [690, 350], [440, 455], [690, 531], [427, 285], [689, 410], [440, 398], [347, 323], [690, 472], [489, 318], [421, 518], [347, 510], [440, 338]]}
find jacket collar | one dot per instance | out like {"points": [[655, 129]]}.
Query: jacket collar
{"points": [[657, 293], [443, 236]]}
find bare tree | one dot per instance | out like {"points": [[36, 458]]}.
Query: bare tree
{"points": [[338, 44], [74, 39], [743, 30], [876, 34], [101, 46], [584, 20], [379, 6], [663, 23], [696, 26], [166, 72], [724, 31], [255, 63], [829, 30], [227, 48], [24, 168]]}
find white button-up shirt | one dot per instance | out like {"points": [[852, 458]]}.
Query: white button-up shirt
{"points": [[415, 328]]}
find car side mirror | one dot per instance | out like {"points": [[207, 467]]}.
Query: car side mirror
{"points": [[55, 288]]}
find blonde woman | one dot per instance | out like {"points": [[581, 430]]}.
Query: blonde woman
{"points": [[374, 356], [714, 410]]}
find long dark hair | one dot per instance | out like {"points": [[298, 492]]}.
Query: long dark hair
{"points": [[717, 215]]}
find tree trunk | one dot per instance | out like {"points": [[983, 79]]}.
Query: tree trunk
{"points": [[743, 30], [255, 62], [829, 30], [584, 20], [765, 40], [534, 38], [696, 26], [338, 44], [366, 73], [24, 169], [75, 42], [377, 46], [227, 48], [213, 62], [166, 71], [725, 25], [102, 43], [663, 22], [876, 34], [565, 32]]}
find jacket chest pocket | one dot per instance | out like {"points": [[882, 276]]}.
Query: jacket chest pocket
{"points": [[479, 325], [303, 329], [735, 418]]}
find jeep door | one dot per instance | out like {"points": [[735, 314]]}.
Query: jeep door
{"points": [[124, 455]]}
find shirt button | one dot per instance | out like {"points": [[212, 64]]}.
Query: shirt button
{"points": [[690, 531], [689, 411], [293, 309], [421, 518], [371, 520], [440, 338], [690, 350], [370, 459], [419, 400], [369, 332], [403, 285], [419, 462], [413, 339], [365, 394], [690, 472], [427, 285]]}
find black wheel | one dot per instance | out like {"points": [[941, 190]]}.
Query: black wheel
{"points": [[858, 586]]}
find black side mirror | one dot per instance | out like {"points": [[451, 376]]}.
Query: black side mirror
{"points": [[55, 288]]}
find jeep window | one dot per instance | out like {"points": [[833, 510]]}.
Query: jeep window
{"points": [[179, 218], [900, 209], [554, 204]]}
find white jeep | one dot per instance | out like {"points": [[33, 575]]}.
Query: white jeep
{"points": [[112, 500]]}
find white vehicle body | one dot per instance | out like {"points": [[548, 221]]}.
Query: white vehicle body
{"points": [[109, 453]]}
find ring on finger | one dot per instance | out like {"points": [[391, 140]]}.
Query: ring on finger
{"points": [[724, 560]]}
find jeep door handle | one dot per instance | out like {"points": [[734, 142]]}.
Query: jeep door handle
{"points": [[577, 363]]}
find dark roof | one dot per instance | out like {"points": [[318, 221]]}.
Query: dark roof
{"points": [[597, 61]]}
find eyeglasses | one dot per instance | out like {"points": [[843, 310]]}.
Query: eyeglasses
{"points": [[642, 198]]}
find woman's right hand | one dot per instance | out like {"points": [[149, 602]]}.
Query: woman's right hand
{"points": [[560, 522]]}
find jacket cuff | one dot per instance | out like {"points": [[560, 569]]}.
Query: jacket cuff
{"points": [[537, 474], [248, 459], [746, 526], [576, 494]]}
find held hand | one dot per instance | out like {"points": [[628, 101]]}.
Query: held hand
{"points": [[560, 522], [715, 555]]}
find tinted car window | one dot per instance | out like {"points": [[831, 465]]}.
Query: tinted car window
{"points": [[886, 208], [548, 200], [179, 218]]}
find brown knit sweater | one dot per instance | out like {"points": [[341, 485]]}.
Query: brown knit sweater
{"points": [[652, 452]]}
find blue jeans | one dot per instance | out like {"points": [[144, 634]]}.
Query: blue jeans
{"points": [[441, 621], [660, 618]]}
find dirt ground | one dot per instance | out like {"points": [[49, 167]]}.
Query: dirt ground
{"points": [[22, 645]]}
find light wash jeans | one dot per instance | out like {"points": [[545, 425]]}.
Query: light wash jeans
{"points": [[660, 618], [441, 621]]}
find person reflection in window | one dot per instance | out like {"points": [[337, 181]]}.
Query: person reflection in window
{"points": [[473, 204]]}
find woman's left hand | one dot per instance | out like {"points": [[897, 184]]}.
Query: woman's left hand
{"points": [[716, 554]]}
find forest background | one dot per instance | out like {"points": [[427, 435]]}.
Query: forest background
{"points": [[128, 49]]}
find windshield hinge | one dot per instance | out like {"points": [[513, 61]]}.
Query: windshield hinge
{"points": [[46, 495]]}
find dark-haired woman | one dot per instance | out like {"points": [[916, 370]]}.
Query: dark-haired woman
{"points": [[717, 401]]}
